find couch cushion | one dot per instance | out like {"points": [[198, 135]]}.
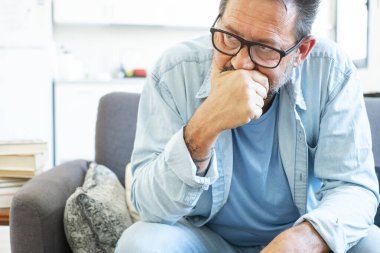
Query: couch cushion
{"points": [[96, 214]]}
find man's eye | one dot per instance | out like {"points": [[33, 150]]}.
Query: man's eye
{"points": [[231, 40], [263, 49], [229, 37]]}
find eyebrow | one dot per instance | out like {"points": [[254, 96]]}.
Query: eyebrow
{"points": [[263, 41]]}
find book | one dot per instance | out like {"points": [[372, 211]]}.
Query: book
{"points": [[4, 216], [19, 161], [19, 147], [19, 174], [22, 162], [9, 190], [6, 201], [6, 195], [10, 182], [21, 166]]}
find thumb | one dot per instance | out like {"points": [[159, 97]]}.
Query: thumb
{"points": [[215, 70]]}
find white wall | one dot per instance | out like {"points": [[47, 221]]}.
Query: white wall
{"points": [[25, 71], [371, 76], [101, 49]]}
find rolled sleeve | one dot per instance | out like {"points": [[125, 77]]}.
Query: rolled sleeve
{"points": [[337, 217], [328, 227], [178, 156]]}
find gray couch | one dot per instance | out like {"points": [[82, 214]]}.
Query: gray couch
{"points": [[36, 223], [36, 219]]}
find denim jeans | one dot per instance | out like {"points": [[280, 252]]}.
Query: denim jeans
{"points": [[183, 237]]}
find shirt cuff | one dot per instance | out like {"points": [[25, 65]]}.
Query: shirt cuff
{"points": [[329, 228], [178, 159]]}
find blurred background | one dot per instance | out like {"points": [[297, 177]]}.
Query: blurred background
{"points": [[57, 58]]}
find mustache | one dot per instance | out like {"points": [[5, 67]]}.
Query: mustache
{"points": [[228, 68], [231, 68]]}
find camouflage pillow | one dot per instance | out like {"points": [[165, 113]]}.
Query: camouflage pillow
{"points": [[96, 214]]}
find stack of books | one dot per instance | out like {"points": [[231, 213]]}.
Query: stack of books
{"points": [[19, 161]]}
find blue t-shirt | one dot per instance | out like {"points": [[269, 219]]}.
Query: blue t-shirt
{"points": [[260, 205]]}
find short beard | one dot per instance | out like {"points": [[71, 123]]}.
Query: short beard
{"points": [[285, 77]]}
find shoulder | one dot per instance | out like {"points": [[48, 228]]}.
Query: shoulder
{"points": [[197, 51], [180, 73], [328, 54], [327, 69]]}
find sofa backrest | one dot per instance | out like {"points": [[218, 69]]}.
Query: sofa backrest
{"points": [[115, 131], [373, 111]]}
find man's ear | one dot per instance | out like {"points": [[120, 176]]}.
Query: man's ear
{"points": [[304, 50]]}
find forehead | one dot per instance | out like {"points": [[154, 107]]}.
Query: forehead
{"points": [[261, 20]]}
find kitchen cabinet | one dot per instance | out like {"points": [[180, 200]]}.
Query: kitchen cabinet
{"points": [[81, 11], [196, 13], [75, 111]]}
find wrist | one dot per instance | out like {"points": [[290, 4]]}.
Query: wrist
{"points": [[200, 154], [198, 143], [200, 134], [300, 238], [203, 165], [308, 238], [313, 237]]}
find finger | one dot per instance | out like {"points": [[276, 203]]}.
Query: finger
{"points": [[259, 101], [261, 90], [255, 99], [257, 111], [215, 70], [261, 79]]}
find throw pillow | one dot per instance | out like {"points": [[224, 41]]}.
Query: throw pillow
{"points": [[128, 186], [96, 214]]}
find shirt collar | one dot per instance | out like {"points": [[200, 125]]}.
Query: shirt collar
{"points": [[205, 88], [295, 89]]}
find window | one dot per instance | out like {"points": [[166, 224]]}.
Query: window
{"points": [[352, 29]]}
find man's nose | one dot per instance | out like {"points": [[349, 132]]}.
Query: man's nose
{"points": [[242, 60]]}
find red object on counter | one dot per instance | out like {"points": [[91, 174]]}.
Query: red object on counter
{"points": [[139, 72]]}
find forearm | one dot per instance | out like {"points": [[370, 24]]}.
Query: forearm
{"points": [[200, 135], [165, 186], [298, 239]]}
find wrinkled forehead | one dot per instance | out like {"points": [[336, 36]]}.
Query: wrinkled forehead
{"points": [[266, 19], [286, 5]]}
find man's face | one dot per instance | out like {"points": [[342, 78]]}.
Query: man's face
{"points": [[267, 22]]}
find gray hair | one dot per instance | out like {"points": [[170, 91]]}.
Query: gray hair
{"points": [[307, 11]]}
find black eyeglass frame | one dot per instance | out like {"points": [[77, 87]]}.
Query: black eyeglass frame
{"points": [[244, 42]]}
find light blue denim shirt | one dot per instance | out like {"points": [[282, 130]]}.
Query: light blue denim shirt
{"points": [[324, 141]]}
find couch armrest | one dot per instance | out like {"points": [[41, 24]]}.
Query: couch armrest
{"points": [[36, 216]]}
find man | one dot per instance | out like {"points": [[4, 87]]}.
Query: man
{"points": [[255, 140]]}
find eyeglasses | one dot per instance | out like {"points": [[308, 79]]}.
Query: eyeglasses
{"points": [[262, 55]]}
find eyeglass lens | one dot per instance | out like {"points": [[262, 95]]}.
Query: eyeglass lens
{"points": [[259, 54]]}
